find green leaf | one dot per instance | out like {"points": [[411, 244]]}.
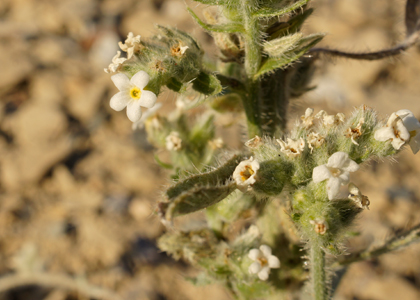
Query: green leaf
{"points": [[200, 191], [267, 12], [207, 84], [273, 63], [212, 178], [223, 28], [195, 199]]}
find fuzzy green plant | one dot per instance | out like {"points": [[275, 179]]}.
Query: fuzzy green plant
{"points": [[281, 195]]}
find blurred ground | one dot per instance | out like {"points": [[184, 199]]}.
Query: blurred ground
{"points": [[78, 186]]}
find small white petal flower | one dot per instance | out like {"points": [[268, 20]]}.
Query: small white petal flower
{"points": [[330, 120], [356, 195], [173, 141], [292, 148], [413, 127], [355, 132], [395, 131], [320, 226], [263, 262], [315, 140], [131, 45], [116, 63], [245, 172], [337, 171], [132, 94], [308, 118]]}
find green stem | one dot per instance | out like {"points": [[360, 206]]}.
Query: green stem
{"points": [[318, 272], [252, 37]]}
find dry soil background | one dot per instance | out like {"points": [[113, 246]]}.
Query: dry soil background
{"points": [[78, 186]]}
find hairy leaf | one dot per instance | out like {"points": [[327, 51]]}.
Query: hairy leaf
{"points": [[207, 84], [268, 12], [274, 63], [223, 28]]}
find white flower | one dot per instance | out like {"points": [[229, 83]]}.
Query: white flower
{"points": [[149, 113], [413, 127], [132, 94], [330, 120], [320, 226], [337, 171], [292, 148], [395, 131], [245, 172], [308, 118], [173, 141], [263, 262], [356, 195], [315, 140], [131, 45], [355, 132], [116, 62]]}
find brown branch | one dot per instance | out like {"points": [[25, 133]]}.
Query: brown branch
{"points": [[407, 43]]}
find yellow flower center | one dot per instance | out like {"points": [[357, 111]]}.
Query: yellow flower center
{"points": [[335, 172], [135, 93], [248, 172], [263, 261]]}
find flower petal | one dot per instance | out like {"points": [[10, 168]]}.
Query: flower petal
{"points": [[338, 160], [147, 99], [254, 268], [415, 143], [351, 166], [273, 262], [344, 178], [254, 254], [403, 132], [397, 143], [134, 111], [383, 134], [263, 274], [266, 250], [333, 187], [121, 81], [140, 79], [409, 120], [320, 173], [119, 101]]}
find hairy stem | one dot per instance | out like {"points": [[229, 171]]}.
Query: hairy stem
{"points": [[407, 238], [252, 38], [318, 272]]}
